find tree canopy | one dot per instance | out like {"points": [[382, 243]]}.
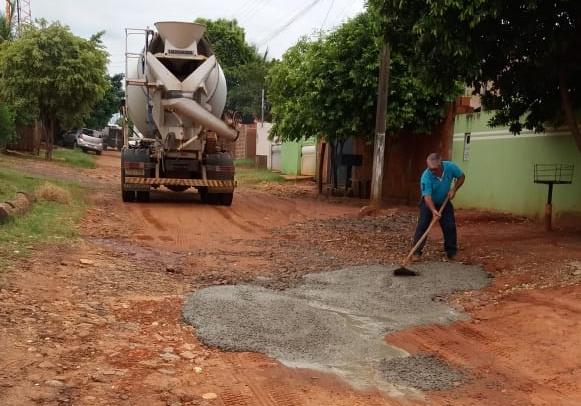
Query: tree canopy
{"points": [[228, 40], [522, 55], [5, 29], [6, 115], [50, 74], [244, 68], [328, 87], [7, 129], [108, 105]]}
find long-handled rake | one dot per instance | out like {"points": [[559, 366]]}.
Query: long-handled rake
{"points": [[404, 270]]}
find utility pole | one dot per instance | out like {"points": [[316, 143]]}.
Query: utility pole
{"points": [[8, 12], [380, 127], [262, 109]]}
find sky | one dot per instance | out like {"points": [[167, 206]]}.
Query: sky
{"points": [[260, 18]]}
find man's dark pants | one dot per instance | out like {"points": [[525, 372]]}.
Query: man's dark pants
{"points": [[447, 223]]}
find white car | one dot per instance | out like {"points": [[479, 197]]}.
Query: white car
{"points": [[90, 140]]}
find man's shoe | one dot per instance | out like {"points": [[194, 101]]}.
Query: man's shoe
{"points": [[451, 257]]}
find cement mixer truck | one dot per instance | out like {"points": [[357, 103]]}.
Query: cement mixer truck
{"points": [[175, 97]]}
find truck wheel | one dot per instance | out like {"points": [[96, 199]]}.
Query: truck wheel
{"points": [[143, 197], [128, 196], [99, 152], [205, 197], [226, 199]]}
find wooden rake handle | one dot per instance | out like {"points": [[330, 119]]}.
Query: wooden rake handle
{"points": [[421, 240]]}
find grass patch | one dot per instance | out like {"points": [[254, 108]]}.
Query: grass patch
{"points": [[69, 157], [13, 182], [257, 176], [48, 222], [245, 163], [74, 157]]}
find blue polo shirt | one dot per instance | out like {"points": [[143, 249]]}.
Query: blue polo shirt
{"points": [[436, 187]]}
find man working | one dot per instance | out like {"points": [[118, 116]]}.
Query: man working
{"points": [[436, 184]]}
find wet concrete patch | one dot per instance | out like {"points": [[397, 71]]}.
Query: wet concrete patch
{"points": [[334, 321]]}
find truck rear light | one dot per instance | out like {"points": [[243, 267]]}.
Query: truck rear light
{"points": [[222, 168]]}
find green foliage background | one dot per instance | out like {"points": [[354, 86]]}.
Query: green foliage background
{"points": [[328, 87], [244, 68]]}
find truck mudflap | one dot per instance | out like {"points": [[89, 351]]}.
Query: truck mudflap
{"points": [[214, 184]]}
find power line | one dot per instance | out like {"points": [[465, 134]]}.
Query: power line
{"points": [[296, 17], [328, 13], [242, 8], [251, 10], [344, 12]]}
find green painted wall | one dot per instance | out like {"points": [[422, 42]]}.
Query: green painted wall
{"points": [[291, 156], [500, 171]]}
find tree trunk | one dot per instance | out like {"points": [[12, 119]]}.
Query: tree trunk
{"points": [[380, 126], [568, 109], [321, 166], [49, 131], [333, 156]]}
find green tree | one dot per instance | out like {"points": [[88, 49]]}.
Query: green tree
{"points": [[53, 75], [522, 55], [108, 105], [244, 68], [7, 129], [228, 42], [245, 89], [5, 29], [328, 87]]}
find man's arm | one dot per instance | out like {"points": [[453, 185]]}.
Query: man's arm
{"points": [[430, 203], [459, 182]]}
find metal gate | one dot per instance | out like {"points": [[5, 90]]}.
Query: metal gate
{"points": [[275, 157]]}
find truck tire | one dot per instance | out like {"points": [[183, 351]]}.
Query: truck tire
{"points": [[132, 155], [126, 195], [222, 199], [143, 197], [226, 199]]}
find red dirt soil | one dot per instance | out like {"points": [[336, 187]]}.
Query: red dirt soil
{"points": [[109, 331]]}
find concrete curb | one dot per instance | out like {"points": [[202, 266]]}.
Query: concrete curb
{"points": [[19, 206]]}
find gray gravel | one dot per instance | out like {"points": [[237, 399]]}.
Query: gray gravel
{"points": [[333, 321], [422, 371]]}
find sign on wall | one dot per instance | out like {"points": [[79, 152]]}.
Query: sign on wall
{"points": [[467, 139]]}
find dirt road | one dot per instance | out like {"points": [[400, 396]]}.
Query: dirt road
{"points": [[107, 330]]}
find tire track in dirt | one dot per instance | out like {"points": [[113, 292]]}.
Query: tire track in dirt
{"points": [[227, 214], [150, 218]]}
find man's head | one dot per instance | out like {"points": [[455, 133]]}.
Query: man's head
{"points": [[434, 162]]}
